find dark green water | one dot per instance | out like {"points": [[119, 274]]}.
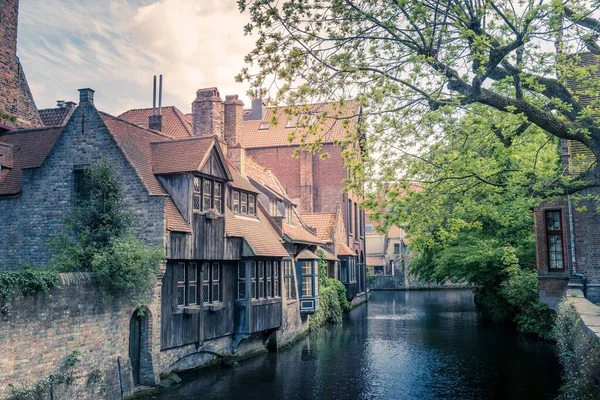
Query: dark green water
{"points": [[402, 345]]}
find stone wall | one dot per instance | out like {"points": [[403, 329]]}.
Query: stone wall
{"points": [[30, 220], [38, 333], [15, 96]]}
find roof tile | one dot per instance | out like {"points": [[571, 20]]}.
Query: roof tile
{"points": [[175, 123]]}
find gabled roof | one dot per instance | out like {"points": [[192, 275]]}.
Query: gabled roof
{"points": [[328, 256], [324, 223], [341, 249], [175, 123], [185, 155], [239, 182], [298, 232], [257, 232], [340, 119], [307, 255], [265, 178], [57, 116], [30, 149]]}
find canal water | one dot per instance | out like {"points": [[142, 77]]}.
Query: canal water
{"points": [[401, 345]]}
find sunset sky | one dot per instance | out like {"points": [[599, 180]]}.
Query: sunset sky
{"points": [[116, 46]]}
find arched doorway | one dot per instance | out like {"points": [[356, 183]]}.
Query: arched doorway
{"points": [[140, 347]]}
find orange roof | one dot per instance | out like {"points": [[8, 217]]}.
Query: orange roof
{"points": [[30, 148], [257, 232], [239, 182], [324, 223], [264, 177], [297, 232], [341, 249], [333, 127], [182, 155], [175, 123]]}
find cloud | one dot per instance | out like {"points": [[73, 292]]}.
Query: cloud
{"points": [[116, 46]]}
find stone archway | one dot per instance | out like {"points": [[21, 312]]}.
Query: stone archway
{"points": [[140, 347]]}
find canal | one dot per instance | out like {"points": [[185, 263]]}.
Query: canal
{"points": [[402, 345]]}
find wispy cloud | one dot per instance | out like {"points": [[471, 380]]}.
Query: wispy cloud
{"points": [[116, 46]]}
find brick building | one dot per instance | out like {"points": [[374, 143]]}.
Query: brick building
{"points": [[17, 108], [567, 239]]}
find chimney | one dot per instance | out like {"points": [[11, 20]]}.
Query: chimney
{"points": [[306, 182], [60, 104], [70, 104], [207, 113], [234, 117], [155, 120], [237, 156], [258, 111], [86, 96]]}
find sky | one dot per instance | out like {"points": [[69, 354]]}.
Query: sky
{"points": [[116, 46]]}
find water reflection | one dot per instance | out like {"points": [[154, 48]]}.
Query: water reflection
{"points": [[402, 345]]}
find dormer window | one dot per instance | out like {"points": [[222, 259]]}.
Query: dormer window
{"points": [[273, 208], [243, 203], [208, 195], [288, 214], [264, 126]]}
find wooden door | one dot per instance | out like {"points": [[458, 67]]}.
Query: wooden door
{"points": [[135, 339]]}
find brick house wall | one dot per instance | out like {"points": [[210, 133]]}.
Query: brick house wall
{"points": [[15, 96], [32, 218]]}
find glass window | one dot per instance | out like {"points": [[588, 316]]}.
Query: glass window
{"points": [[192, 290], [276, 284], [288, 277], [261, 279], [251, 205], [236, 202], [396, 248], [273, 208], [244, 204], [369, 229], [206, 195], [253, 292], [554, 236], [269, 281], [307, 286], [241, 281], [288, 214], [180, 278], [216, 283], [197, 196], [186, 278], [205, 282], [218, 201], [350, 217]]}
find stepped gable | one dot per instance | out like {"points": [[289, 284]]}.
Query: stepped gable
{"points": [[340, 118], [175, 123], [29, 149]]}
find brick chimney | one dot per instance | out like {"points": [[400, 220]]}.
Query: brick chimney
{"points": [[234, 117], [86, 96], [306, 182], [207, 113], [258, 111]]}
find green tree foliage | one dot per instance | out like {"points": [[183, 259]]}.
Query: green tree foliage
{"points": [[332, 298], [98, 237]]}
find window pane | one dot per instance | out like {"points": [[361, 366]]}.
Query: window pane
{"points": [[206, 204], [553, 220], [307, 286], [215, 293], [215, 272], [205, 272], [180, 272], [180, 295], [192, 292], [251, 208], [191, 269], [307, 268], [244, 204], [206, 293], [241, 270], [207, 187], [196, 202], [217, 189], [236, 201], [218, 205], [196, 184], [241, 290]]}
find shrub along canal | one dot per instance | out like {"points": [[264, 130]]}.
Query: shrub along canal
{"points": [[402, 345]]}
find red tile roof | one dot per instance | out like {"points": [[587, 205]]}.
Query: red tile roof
{"points": [[341, 249], [324, 223], [297, 232], [327, 254], [57, 116], [258, 233], [30, 149], [339, 122], [239, 182], [182, 155], [175, 221], [175, 123]]}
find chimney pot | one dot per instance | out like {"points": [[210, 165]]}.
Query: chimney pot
{"points": [[86, 96]]}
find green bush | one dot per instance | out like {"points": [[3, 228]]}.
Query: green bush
{"points": [[340, 290], [27, 280], [579, 353], [330, 311]]}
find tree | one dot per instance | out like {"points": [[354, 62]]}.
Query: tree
{"points": [[412, 63]]}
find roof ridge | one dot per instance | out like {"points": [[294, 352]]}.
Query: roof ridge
{"points": [[188, 139], [147, 108], [102, 113]]}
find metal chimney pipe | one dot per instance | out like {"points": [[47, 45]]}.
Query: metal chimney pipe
{"points": [[154, 97], [160, 95]]}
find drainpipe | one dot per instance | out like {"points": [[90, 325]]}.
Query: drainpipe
{"points": [[572, 238]]}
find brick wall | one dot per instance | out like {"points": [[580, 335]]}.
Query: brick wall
{"points": [[15, 96], [31, 219], [38, 333]]}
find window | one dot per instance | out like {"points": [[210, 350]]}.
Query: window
{"points": [[356, 222], [208, 195], [253, 292], [292, 121], [307, 279], [273, 211], [244, 204], [276, 284], [236, 202], [362, 219], [269, 281], [288, 214], [554, 236], [369, 229], [264, 125], [241, 281], [288, 277], [211, 282], [83, 191], [344, 270], [396, 248], [378, 270], [186, 276], [350, 273], [350, 217], [251, 205], [261, 279]]}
